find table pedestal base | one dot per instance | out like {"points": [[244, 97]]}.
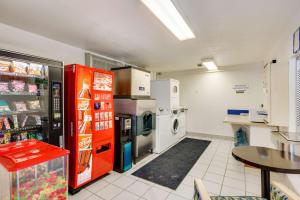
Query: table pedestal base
{"points": [[265, 184]]}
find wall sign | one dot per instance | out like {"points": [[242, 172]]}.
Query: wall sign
{"points": [[296, 41], [240, 88]]}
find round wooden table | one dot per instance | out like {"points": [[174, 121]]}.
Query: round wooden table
{"points": [[267, 160]]}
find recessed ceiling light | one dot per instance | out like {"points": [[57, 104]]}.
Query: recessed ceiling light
{"points": [[166, 12], [210, 64]]}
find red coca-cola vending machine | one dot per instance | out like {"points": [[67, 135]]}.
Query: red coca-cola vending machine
{"points": [[89, 128]]}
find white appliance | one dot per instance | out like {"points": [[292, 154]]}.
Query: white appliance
{"points": [[182, 122], [131, 82], [163, 137], [170, 124], [166, 93]]}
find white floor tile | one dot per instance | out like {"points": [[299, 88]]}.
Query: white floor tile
{"points": [[97, 186], [253, 178], [213, 178], [139, 188], [163, 188], [175, 197], [199, 173], [219, 164], [94, 197], [145, 181], [228, 191], [234, 183], [124, 182], [109, 192], [125, 195], [189, 180], [253, 188], [112, 176], [185, 191], [235, 175], [216, 170], [200, 166], [83, 194], [156, 194], [212, 187], [236, 168]]}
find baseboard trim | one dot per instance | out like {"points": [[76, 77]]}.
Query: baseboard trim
{"points": [[195, 134]]}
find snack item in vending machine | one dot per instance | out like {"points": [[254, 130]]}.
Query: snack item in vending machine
{"points": [[35, 69], [38, 120], [34, 105], [110, 115], [39, 136], [4, 106], [5, 123], [19, 67], [84, 161], [1, 138], [4, 86], [19, 105], [4, 65], [15, 121], [17, 86], [15, 137], [32, 88], [7, 138]]}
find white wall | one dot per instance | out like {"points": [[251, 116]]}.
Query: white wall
{"points": [[15, 39], [282, 51], [208, 96]]}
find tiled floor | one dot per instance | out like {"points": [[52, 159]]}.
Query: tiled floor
{"points": [[220, 172]]}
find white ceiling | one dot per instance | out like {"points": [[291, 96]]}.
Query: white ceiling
{"points": [[232, 31]]}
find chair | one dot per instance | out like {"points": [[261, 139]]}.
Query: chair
{"points": [[278, 192]]}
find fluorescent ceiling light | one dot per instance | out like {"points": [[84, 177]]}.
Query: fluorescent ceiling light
{"points": [[210, 65], [166, 12]]}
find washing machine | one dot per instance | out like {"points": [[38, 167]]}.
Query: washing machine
{"points": [[182, 123], [163, 134]]}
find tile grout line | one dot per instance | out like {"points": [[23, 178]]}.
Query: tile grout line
{"points": [[224, 175]]}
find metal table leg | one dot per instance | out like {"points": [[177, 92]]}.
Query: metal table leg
{"points": [[265, 184]]}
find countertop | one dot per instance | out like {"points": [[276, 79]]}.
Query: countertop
{"points": [[242, 120]]}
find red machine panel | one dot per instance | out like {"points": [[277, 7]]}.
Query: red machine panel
{"points": [[89, 123]]}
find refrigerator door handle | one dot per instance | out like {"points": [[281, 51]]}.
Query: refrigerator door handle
{"points": [[71, 128]]}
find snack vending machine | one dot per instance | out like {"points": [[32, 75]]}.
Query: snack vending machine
{"points": [[89, 123], [31, 98]]}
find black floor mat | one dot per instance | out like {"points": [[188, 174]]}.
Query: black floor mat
{"points": [[170, 168]]}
